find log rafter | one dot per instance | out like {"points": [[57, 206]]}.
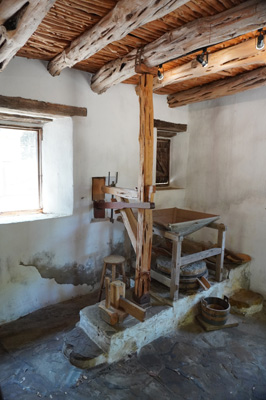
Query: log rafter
{"points": [[121, 20], [241, 55], [18, 21], [191, 37], [223, 87]]}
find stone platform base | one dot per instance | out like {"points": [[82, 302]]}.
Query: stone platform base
{"points": [[107, 344]]}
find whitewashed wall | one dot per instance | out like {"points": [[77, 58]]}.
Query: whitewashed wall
{"points": [[70, 250], [227, 171]]}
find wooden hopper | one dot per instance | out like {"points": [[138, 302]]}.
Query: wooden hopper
{"points": [[181, 221]]}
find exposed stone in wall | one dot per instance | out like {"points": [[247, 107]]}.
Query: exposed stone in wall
{"points": [[68, 273]]}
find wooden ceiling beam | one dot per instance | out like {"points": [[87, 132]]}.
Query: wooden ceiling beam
{"points": [[203, 32], [18, 21], [8, 8], [239, 56], [169, 126], [121, 20], [223, 87], [40, 107]]}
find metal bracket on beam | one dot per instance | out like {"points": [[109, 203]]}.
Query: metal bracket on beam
{"points": [[141, 68]]}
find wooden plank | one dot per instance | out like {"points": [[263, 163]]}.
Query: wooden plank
{"points": [[175, 269], [161, 278], [215, 225], [231, 322], [120, 205], [199, 256], [130, 223], [121, 192], [130, 14], [169, 126], [221, 88], [23, 119], [195, 35], [144, 227], [220, 257], [239, 56], [109, 314], [42, 107], [97, 183], [165, 134], [18, 25], [107, 292], [133, 309]]}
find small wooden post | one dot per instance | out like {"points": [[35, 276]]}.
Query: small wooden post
{"points": [[107, 292], [144, 226], [220, 258], [117, 290], [175, 270]]}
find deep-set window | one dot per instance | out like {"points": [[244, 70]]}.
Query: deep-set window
{"points": [[163, 162], [20, 169]]}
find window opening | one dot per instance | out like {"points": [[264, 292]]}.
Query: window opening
{"points": [[20, 169], [163, 162]]}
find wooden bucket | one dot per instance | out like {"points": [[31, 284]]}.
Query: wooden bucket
{"points": [[215, 311]]}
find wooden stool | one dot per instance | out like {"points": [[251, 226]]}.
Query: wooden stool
{"points": [[113, 260]]}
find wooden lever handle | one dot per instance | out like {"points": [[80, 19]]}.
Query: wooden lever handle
{"points": [[120, 205]]}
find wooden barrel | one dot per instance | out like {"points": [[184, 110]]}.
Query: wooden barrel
{"points": [[214, 310]]}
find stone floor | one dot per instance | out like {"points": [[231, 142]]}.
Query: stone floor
{"points": [[192, 365]]}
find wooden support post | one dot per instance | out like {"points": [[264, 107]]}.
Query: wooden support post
{"points": [[175, 270], [144, 227], [220, 258]]}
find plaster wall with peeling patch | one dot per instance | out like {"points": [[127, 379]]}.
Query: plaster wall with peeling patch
{"points": [[46, 261]]}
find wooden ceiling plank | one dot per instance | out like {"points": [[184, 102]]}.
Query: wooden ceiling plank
{"points": [[42, 107], [204, 32], [240, 55], [130, 16], [223, 87], [19, 27]]}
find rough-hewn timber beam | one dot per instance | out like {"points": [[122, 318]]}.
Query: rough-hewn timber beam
{"points": [[240, 55], [10, 7], [223, 87], [244, 18], [18, 21], [41, 107], [122, 19], [169, 126], [144, 227]]}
